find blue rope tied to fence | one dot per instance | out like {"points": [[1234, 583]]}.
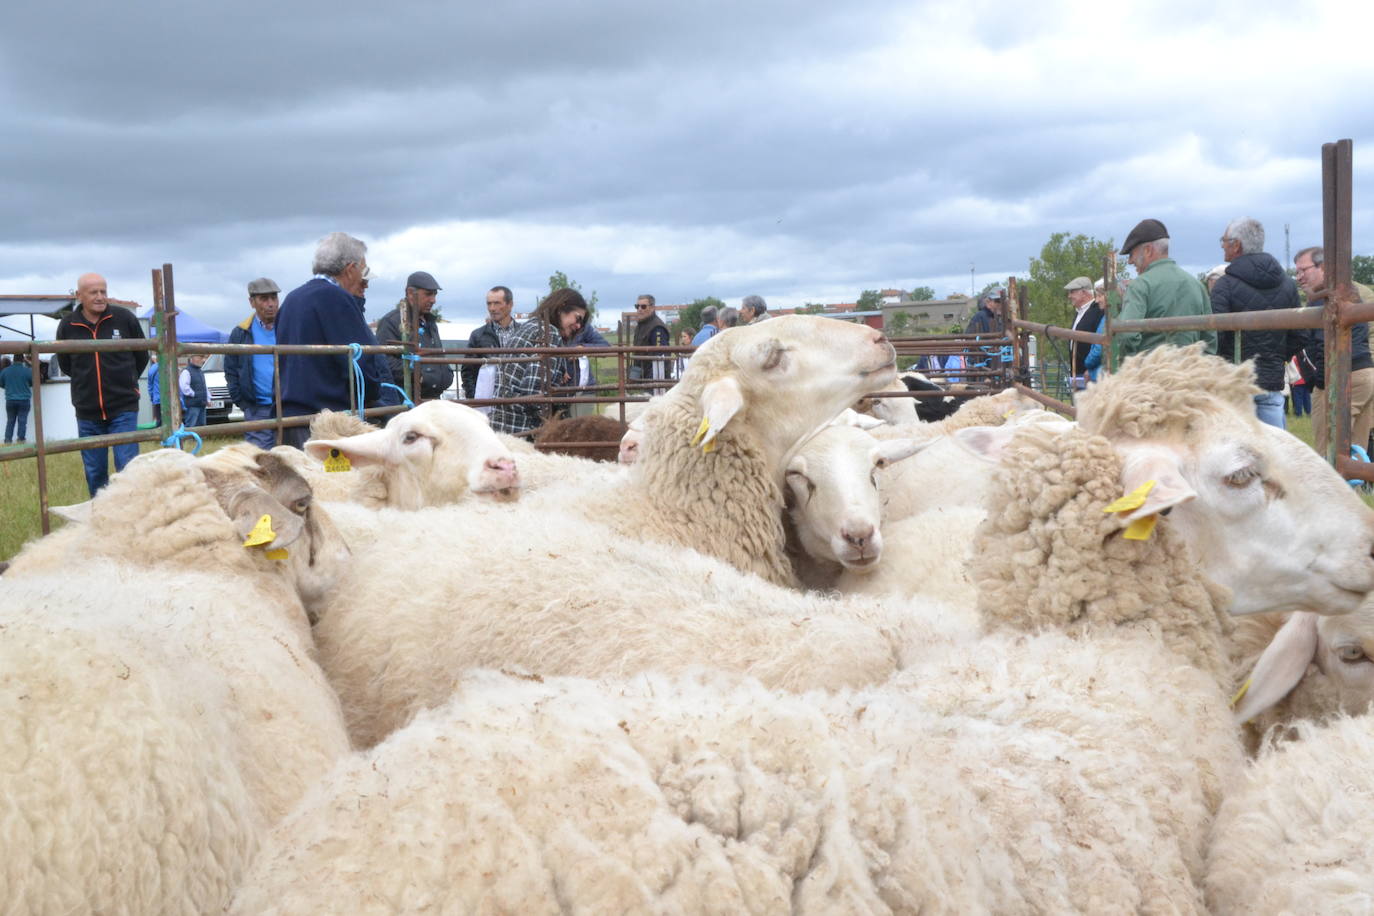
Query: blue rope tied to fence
{"points": [[404, 398], [175, 439], [411, 358], [360, 382], [1358, 454]]}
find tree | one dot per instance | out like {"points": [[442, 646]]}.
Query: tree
{"points": [[690, 317], [923, 293], [810, 308], [559, 280], [1062, 258], [898, 326], [1362, 269], [870, 301]]}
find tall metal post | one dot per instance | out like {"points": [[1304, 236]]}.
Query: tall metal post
{"points": [[37, 369], [164, 312], [1336, 243]]}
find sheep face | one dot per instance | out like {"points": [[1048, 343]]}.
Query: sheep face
{"points": [[792, 374], [1264, 514], [435, 453], [1342, 647], [833, 494]]}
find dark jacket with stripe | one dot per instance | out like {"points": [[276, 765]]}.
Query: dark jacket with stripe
{"points": [[104, 385]]}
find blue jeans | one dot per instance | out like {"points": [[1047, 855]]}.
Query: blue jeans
{"points": [[17, 416], [96, 460], [1302, 400], [262, 438], [1269, 408], [193, 416]]}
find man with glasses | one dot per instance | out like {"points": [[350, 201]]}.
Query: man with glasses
{"points": [[1161, 289], [1309, 264], [1254, 282], [650, 331], [328, 309]]}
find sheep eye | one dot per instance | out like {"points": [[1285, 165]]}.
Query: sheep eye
{"points": [[880, 463], [410, 437], [301, 505], [1351, 654], [1242, 477], [774, 358]]}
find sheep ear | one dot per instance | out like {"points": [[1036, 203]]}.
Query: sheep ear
{"points": [[851, 417], [895, 450], [375, 448], [245, 502], [720, 401], [1281, 665], [1158, 467], [76, 513], [986, 442]]}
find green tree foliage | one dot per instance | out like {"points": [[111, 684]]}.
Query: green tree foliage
{"points": [[870, 300], [690, 317], [810, 308], [1362, 269], [559, 280], [923, 293], [898, 326], [1064, 257]]}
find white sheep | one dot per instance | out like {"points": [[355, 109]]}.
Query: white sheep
{"points": [[162, 708], [834, 507], [1294, 835]]}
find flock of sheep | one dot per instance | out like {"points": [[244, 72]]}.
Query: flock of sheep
{"points": [[791, 658]]}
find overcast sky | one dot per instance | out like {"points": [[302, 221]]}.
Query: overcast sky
{"points": [[800, 150]]}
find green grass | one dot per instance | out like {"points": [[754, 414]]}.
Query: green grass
{"points": [[19, 518]]}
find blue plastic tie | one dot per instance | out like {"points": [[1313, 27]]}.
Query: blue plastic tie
{"points": [[404, 398], [410, 357], [358, 378], [1359, 454], [175, 439]]}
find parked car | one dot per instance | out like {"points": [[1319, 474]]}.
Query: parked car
{"points": [[219, 409]]}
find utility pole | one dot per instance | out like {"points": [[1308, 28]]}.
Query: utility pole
{"points": [[970, 281], [1287, 260]]}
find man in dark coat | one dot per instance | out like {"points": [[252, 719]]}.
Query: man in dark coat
{"points": [[650, 331], [1087, 316], [1255, 282], [499, 331], [249, 376], [394, 327], [104, 386]]}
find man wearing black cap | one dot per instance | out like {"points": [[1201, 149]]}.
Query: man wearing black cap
{"points": [[416, 310], [1161, 289]]}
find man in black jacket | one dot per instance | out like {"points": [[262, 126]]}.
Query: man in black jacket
{"points": [[394, 327], [650, 331], [250, 376], [497, 332], [104, 385], [1087, 316], [1255, 282], [1311, 269]]}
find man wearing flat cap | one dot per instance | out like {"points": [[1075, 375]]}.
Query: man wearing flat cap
{"points": [[250, 376], [413, 320], [1161, 289], [1087, 316]]}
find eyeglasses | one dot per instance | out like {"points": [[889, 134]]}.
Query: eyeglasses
{"points": [[1225, 241], [1302, 270]]}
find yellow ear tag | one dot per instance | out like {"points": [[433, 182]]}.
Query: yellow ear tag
{"points": [[702, 430], [276, 553], [262, 533], [1132, 500], [1244, 688], [1141, 528], [1008, 415], [337, 461]]}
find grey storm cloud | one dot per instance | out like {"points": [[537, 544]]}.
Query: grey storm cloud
{"points": [[796, 149]]}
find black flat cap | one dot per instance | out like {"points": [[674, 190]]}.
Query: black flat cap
{"points": [[423, 280], [1147, 230]]}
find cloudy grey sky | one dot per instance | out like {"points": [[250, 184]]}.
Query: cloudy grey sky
{"points": [[800, 150]]}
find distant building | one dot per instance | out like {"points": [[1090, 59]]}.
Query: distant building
{"points": [[932, 316]]}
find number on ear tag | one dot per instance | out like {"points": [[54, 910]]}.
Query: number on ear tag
{"points": [[262, 533], [337, 461]]}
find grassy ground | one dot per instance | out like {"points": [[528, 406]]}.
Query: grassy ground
{"points": [[19, 519]]}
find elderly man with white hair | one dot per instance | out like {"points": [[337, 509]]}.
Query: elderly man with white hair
{"points": [[1253, 282], [1161, 289], [328, 309]]}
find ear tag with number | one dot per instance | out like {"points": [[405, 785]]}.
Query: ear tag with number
{"points": [[337, 461], [261, 534], [1140, 529]]}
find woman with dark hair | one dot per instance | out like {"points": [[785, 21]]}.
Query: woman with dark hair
{"points": [[563, 316]]}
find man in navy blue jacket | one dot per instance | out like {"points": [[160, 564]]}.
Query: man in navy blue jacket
{"points": [[326, 310]]}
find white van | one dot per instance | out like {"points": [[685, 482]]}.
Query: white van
{"points": [[219, 409]]}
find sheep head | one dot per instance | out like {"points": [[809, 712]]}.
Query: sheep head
{"points": [[1341, 647], [789, 376], [434, 453]]}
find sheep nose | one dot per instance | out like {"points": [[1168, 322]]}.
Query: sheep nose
{"points": [[503, 471], [858, 535]]}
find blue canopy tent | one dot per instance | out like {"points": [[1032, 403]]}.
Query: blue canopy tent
{"points": [[189, 328]]}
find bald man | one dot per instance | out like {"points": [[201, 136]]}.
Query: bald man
{"points": [[105, 384]]}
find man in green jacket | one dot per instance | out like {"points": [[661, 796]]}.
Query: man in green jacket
{"points": [[1161, 289]]}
